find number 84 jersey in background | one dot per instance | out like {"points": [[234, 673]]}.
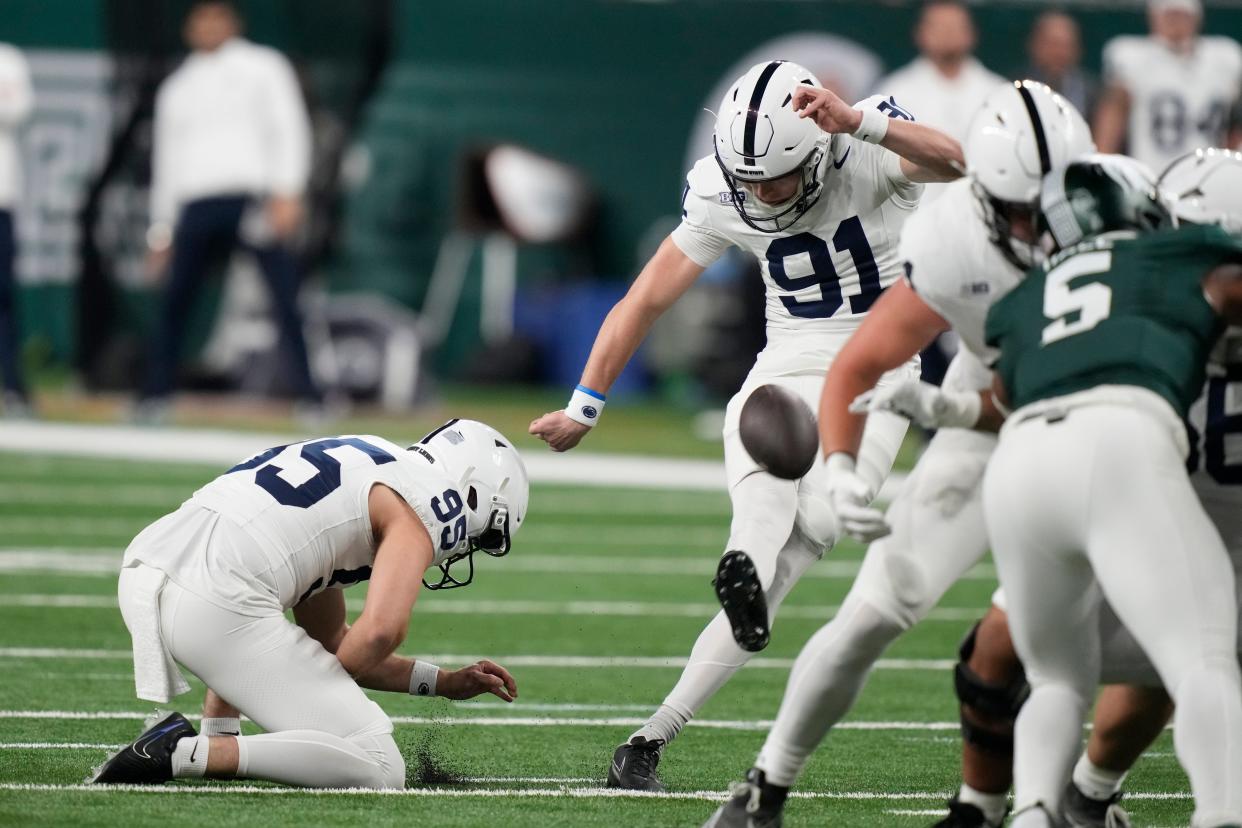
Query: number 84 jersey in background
{"points": [[294, 520], [824, 272]]}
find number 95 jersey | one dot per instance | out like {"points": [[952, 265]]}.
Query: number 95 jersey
{"points": [[823, 273], [294, 520]]}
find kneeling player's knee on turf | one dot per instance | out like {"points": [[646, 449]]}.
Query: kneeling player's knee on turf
{"points": [[387, 765], [991, 686]]}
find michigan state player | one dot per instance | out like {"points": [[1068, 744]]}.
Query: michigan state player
{"points": [[818, 191], [208, 585], [1101, 354]]}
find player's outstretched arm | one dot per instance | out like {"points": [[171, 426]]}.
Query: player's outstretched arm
{"points": [[666, 277], [897, 327], [927, 154]]}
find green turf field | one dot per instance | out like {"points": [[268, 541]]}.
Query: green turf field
{"points": [[604, 592]]}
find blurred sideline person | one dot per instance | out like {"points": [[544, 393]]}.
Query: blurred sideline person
{"points": [[16, 103], [231, 158], [960, 254], [1055, 50], [208, 585], [946, 80], [818, 191], [1171, 92], [1103, 349]]}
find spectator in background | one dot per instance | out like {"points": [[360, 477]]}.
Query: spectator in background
{"points": [[1171, 92], [946, 84], [1055, 49], [16, 101], [231, 159]]}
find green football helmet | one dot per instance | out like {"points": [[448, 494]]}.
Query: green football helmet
{"points": [[1099, 193]]}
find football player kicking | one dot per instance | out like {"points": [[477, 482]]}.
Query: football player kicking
{"points": [[1102, 351], [818, 191], [207, 587], [961, 253]]}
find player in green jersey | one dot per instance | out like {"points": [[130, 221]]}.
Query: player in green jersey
{"points": [[1101, 353]]}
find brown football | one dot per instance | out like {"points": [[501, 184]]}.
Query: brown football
{"points": [[779, 432]]}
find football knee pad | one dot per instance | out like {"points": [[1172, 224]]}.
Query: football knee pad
{"points": [[998, 703]]}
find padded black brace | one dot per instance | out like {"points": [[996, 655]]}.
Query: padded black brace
{"points": [[992, 700]]}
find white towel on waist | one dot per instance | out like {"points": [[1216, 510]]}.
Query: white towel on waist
{"points": [[156, 676]]}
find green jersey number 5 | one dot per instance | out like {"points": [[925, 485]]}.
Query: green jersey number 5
{"points": [[1079, 309]]}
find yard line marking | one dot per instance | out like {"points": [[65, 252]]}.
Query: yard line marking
{"points": [[596, 662], [108, 562], [224, 448], [506, 721], [55, 746], [579, 793], [624, 609]]}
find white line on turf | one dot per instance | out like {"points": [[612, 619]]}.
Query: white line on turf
{"points": [[628, 662], [107, 562], [452, 793], [625, 609]]}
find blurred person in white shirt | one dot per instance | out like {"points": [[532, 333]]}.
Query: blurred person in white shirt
{"points": [[946, 83], [16, 101], [1170, 92], [231, 159]]}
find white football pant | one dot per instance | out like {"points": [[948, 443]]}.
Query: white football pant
{"points": [[322, 730], [1098, 505]]}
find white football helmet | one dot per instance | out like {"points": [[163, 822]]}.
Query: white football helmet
{"points": [[495, 490], [1023, 131], [759, 137], [1207, 187]]}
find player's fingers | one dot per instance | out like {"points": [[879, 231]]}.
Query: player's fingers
{"points": [[496, 670]]}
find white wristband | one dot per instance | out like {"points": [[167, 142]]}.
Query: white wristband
{"points": [[585, 406], [423, 678], [873, 127], [839, 461]]}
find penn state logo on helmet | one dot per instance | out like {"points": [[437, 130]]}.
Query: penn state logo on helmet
{"points": [[759, 137], [1206, 186]]}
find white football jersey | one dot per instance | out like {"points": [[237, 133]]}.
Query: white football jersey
{"points": [[297, 521], [1215, 423], [1178, 103], [824, 272], [953, 265]]}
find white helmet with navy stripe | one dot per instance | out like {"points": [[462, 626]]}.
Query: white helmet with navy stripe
{"points": [[1207, 187], [1023, 131], [759, 137]]}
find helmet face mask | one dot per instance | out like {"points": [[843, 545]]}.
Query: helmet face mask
{"points": [[1002, 219], [1099, 194], [759, 139]]}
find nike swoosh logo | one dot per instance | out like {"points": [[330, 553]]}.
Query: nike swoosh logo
{"points": [[617, 769], [141, 747], [194, 752], [841, 163], [229, 733]]}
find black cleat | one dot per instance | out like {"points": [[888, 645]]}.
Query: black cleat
{"points": [[966, 815], [634, 766], [148, 761], [741, 596], [1081, 811], [752, 804]]}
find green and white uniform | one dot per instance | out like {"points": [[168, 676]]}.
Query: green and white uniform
{"points": [[1087, 498]]}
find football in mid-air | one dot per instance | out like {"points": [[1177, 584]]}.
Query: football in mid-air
{"points": [[779, 431]]}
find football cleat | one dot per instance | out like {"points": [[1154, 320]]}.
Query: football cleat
{"points": [[741, 596], [752, 804], [148, 761], [966, 815], [634, 766], [1081, 811]]}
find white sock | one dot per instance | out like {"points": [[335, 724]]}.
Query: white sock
{"points": [[189, 758], [664, 725], [826, 678], [992, 805], [1096, 782], [220, 726]]}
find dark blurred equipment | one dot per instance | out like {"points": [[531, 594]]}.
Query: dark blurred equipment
{"points": [[779, 432]]}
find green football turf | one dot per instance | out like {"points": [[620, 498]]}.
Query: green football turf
{"points": [[596, 574]]}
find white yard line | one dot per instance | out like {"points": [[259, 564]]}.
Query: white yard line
{"points": [[562, 661], [609, 609], [224, 448], [454, 793]]}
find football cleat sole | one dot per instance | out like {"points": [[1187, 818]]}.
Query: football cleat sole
{"points": [[741, 596]]}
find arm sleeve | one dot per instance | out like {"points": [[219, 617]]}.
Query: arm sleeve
{"points": [[289, 131], [16, 95], [163, 167], [695, 236]]}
